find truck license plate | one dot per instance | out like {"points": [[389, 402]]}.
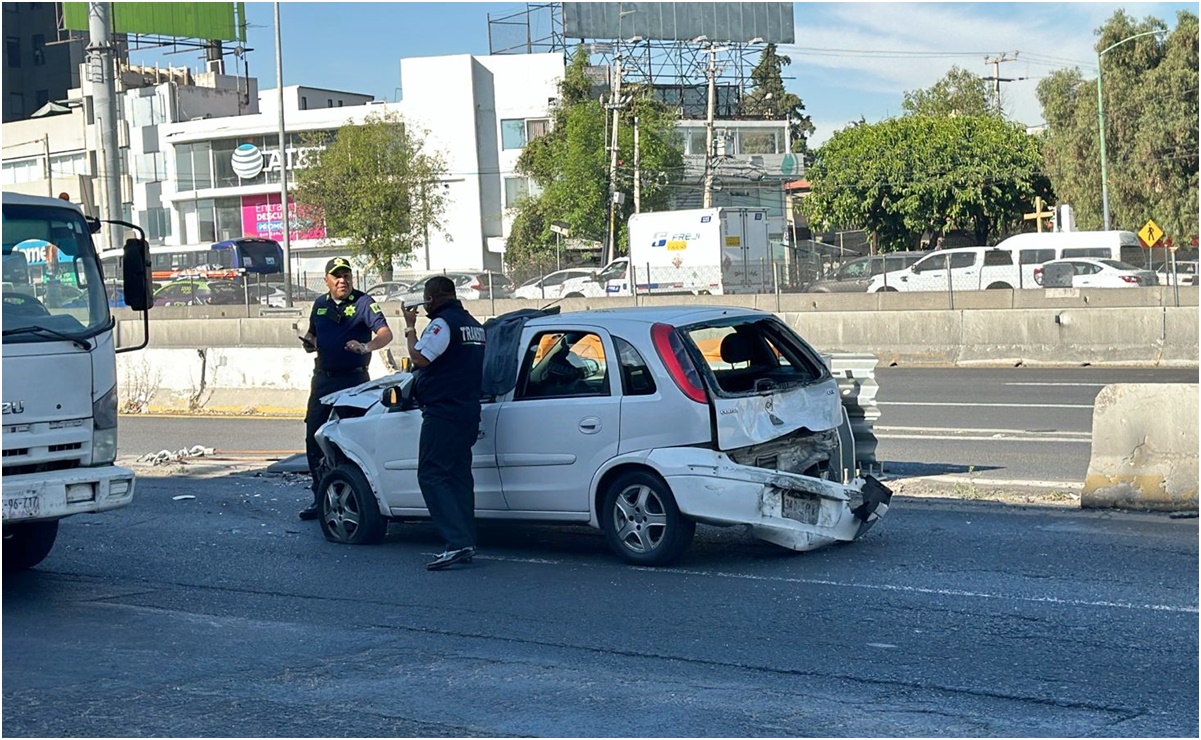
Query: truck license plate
{"points": [[22, 507], [803, 509]]}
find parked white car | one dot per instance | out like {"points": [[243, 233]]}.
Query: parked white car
{"points": [[640, 422], [1185, 274], [1101, 273], [556, 285]]}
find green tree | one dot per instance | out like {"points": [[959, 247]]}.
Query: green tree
{"points": [[904, 176], [376, 185], [769, 100], [569, 166], [959, 93], [1150, 90]]}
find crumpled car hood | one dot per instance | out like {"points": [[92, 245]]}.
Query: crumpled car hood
{"points": [[366, 395]]}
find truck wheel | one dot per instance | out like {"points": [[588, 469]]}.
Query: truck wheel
{"points": [[642, 523], [26, 545], [1000, 286], [574, 295], [349, 511]]}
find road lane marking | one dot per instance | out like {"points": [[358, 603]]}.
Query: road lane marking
{"points": [[981, 430], [1027, 406], [958, 593], [980, 435], [1067, 385]]}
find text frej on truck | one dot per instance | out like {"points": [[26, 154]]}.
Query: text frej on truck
{"points": [[705, 251], [60, 372]]}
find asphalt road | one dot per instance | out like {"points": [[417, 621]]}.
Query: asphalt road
{"points": [[1008, 424], [207, 609]]}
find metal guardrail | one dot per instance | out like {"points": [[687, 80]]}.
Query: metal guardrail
{"points": [[857, 386]]}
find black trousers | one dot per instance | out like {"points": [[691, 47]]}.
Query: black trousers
{"points": [[318, 413], [444, 475]]}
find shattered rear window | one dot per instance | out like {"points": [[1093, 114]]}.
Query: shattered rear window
{"points": [[754, 357]]}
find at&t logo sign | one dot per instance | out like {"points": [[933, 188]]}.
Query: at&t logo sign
{"points": [[247, 161]]}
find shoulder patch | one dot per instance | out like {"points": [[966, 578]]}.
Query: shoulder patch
{"points": [[375, 308]]}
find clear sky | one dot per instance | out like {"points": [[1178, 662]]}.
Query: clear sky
{"points": [[850, 59]]}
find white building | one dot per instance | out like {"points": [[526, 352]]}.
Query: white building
{"points": [[203, 164]]}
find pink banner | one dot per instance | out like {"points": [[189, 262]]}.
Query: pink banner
{"points": [[262, 217]]}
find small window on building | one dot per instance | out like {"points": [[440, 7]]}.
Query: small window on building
{"points": [[41, 97], [304, 102], [536, 127], [16, 105], [12, 51], [516, 188], [512, 133], [339, 102], [39, 50], [329, 102]]}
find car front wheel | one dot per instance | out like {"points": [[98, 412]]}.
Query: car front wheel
{"points": [[349, 512], [642, 523]]}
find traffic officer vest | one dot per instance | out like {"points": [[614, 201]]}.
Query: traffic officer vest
{"points": [[449, 387]]}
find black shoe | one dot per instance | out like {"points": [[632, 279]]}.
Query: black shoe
{"points": [[309, 514], [450, 557]]}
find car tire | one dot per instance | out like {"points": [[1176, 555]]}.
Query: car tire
{"points": [[26, 545], [574, 295], [888, 289], [642, 523], [1000, 286], [349, 511]]}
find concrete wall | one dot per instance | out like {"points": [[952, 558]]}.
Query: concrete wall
{"points": [[257, 363], [1144, 448]]}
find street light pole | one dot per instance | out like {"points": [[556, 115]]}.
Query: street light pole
{"points": [[1101, 122]]}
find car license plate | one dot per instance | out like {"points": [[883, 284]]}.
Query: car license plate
{"points": [[804, 509], [22, 507]]}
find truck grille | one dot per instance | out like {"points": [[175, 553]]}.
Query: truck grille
{"points": [[43, 467]]}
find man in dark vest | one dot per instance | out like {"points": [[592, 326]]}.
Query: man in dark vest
{"points": [[345, 327], [449, 358]]}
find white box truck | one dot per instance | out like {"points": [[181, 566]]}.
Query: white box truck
{"points": [[706, 251], [59, 372]]}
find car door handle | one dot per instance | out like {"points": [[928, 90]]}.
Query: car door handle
{"points": [[590, 425]]}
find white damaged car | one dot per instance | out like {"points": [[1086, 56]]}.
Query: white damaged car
{"points": [[638, 421]]}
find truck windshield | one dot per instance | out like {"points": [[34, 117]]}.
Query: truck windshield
{"points": [[53, 288]]}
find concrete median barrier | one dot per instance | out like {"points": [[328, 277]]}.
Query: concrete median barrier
{"points": [[1144, 453]]}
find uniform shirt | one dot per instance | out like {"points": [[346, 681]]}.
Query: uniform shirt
{"points": [[453, 342], [335, 323]]}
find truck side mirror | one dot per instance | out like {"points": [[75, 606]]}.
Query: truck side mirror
{"points": [[139, 293]]}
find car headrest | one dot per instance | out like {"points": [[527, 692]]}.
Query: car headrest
{"points": [[735, 348]]}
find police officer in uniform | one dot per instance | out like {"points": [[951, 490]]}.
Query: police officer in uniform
{"points": [[449, 358], [345, 327]]}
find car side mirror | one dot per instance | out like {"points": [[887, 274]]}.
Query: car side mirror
{"points": [[139, 290]]}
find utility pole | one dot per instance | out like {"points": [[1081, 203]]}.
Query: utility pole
{"points": [[637, 171], [616, 105], [997, 79], [49, 173], [101, 72], [707, 201], [283, 164]]}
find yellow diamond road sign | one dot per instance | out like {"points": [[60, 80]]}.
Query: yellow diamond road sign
{"points": [[1150, 234]]}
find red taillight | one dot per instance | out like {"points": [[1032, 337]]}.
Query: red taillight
{"points": [[679, 365], [476, 285], [1038, 275], [1130, 279]]}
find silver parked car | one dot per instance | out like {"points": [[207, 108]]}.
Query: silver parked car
{"points": [[853, 276], [640, 422]]}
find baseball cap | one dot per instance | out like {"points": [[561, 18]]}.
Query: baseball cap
{"points": [[337, 263]]}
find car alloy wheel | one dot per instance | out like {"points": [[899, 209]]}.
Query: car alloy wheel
{"points": [[349, 510], [642, 523]]}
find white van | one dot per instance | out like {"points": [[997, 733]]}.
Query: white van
{"points": [[1008, 265]]}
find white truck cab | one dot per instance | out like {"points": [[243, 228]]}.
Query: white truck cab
{"points": [[59, 373]]}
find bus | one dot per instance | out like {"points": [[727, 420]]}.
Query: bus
{"points": [[230, 259]]}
